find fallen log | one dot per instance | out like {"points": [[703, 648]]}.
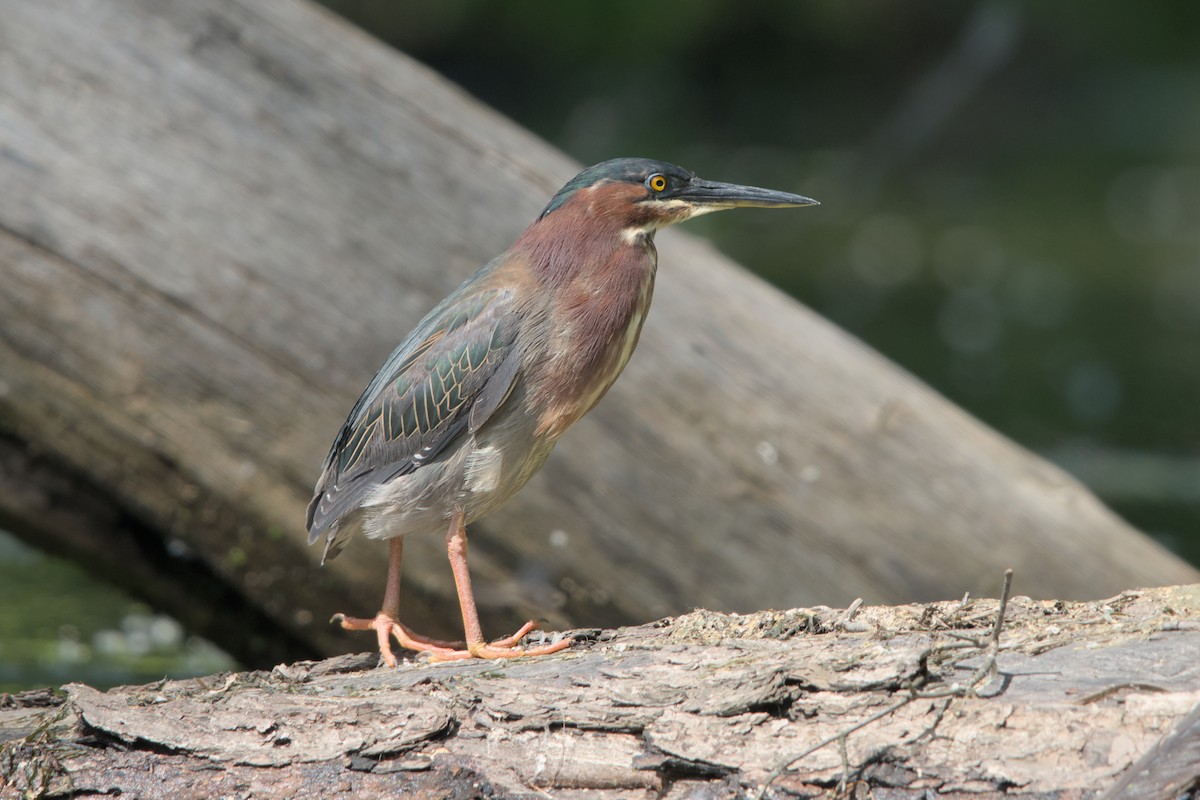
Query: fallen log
{"points": [[219, 216], [1058, 701]]}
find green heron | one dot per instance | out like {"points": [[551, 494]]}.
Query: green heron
{"points": [[469, 406]]}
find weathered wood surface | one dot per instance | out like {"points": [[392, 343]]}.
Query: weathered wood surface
{"points": [[217, 218], [703, 705]]}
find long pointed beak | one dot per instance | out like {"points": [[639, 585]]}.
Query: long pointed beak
{"points": [[712, 195]]}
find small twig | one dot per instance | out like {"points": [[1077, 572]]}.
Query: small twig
{"points": [[937, 720], [844, 622], [967, 643], [1008, 578], [851, 610], [828, 740], [844, 753], [1111, 690], [991, 647], [229, 682]]}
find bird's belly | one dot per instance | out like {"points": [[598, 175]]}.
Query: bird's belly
{"points": [[495, 471], [476, 478]]}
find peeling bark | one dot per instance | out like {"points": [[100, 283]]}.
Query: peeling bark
{"points": [[703, 705]]}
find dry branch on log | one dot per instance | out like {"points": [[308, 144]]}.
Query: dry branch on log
{"points": [[704, 705]]}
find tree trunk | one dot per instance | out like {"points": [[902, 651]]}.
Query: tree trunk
{"points": [[881, 702], [219, 216]]}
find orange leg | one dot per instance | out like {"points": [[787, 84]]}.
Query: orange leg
{"points": [[456, 548], [386, 623]]}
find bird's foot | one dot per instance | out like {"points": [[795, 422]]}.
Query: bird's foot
{"points": [[511, 641], [385, 627], [502, 648]]}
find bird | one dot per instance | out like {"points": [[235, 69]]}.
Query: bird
{"points": [[468, 407]]}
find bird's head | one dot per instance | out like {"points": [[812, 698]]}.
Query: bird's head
{"points": [[640, 195]]}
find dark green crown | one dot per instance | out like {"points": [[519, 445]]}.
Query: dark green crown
{"points": [[617, 170]]}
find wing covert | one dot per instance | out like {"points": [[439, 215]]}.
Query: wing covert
{"points": [[421, 400]]}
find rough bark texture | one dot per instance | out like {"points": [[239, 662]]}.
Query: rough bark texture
{"points": [[218, 216], [704, 705]]}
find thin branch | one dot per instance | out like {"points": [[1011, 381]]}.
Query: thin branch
{"points": [[1008, 578], [990, 646], [828, 740]]}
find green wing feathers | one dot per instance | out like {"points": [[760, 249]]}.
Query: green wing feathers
{"points": [[453, 371], [426, 397]]}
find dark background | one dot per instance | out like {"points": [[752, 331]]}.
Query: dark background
{"points": [[1011, 210]]}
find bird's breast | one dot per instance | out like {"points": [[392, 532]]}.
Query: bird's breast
{"points": [[593, 331]]}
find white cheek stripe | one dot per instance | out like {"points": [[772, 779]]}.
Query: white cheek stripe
{"points": [[682, 211], [635, 234]]}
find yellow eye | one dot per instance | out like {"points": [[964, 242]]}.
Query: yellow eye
{"points": [[657, 182]]}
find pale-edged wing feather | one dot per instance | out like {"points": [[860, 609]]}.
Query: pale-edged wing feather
{"points": [[453, 371]]}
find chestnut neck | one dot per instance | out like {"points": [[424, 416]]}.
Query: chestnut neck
{"points": [[596, 229]]}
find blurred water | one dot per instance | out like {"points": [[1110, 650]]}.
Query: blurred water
{"points": [[58, 625]]}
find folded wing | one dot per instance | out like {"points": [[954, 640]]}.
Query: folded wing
{"points": [[451, 373]]}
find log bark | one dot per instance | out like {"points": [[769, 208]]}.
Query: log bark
{"points": [[219, 216], [1084, 697]]}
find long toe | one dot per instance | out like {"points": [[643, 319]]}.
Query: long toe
{"points": [[386, 627], [499, 650], [412, 636], [511, 641], [494, 651]]}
